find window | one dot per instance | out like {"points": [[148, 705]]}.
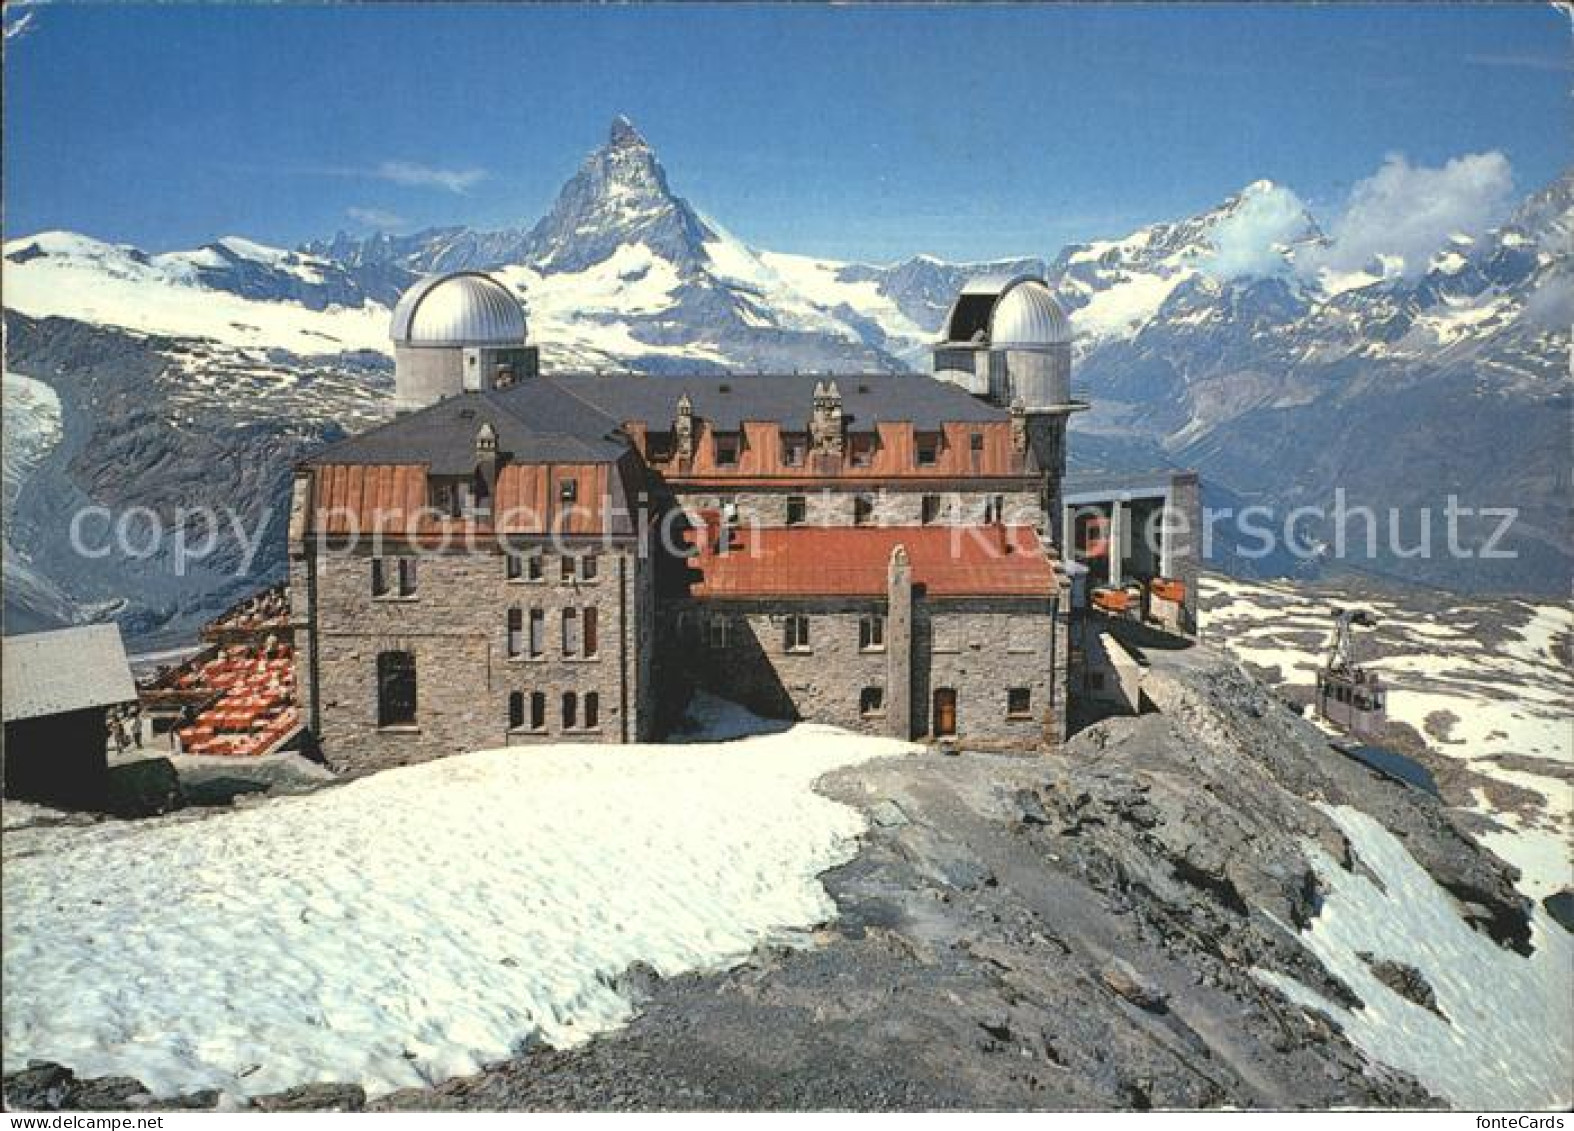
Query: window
{"points": [[395, 689], [797, 510], [863, 510], [719, 630], [592, 710], [726, 451], [590, 620], [568, 489], [445, 499], [534, 565], [588, 567], [513, 565], [797, 633], [538, 710], [862, 449], [538, 633], [1019, 703], [994, 508], [871, 701], [480, 498], [505, 376], [516, 710], [871, 633], [928, 449], [516, 633], [929, 509], [976, 443], [379, 577], [406, 577], [793, 449], [565, 568], [570, 710], [570, 632]]}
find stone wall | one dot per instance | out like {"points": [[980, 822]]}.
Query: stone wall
{"points": [[456, 626], [979, 648]]}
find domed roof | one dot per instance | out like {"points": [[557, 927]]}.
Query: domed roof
{"points": [[465, 308], [1027, 316]]}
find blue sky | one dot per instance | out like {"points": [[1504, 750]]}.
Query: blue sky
{"points": [[851, 131]]}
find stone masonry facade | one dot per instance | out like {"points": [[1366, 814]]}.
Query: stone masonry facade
{"points": [[456, 625]]}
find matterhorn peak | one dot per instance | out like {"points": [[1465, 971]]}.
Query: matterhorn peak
{"points": [[624, 135]]}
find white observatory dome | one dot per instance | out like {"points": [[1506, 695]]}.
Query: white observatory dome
{"points": [[1028, 317], [466, 308]]}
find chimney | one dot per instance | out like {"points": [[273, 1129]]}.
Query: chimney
{"points": [[899, 645], [683, 429], [1018, 426], [825, 425], [486, 456]]}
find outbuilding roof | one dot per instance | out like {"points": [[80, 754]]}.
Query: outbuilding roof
{"points": [[948, 561], [69, 669]]}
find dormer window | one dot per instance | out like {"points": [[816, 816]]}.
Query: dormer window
{"points": [[794, 447], [928, 449], [862, 449], [568, 489], [727, 451]]}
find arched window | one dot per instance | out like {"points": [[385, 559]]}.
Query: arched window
{"points": [[592, 710], [570, 710], [396, 689]]}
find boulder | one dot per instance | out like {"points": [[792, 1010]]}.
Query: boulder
{"points": [[143, 789]]}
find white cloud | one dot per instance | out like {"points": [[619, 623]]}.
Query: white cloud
{"points": [[1404, 213], [427, 176], [18, 24], [1251, 240], [377, 218]]}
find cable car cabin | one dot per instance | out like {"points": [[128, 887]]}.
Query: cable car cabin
{"points": [[1354, 700]]}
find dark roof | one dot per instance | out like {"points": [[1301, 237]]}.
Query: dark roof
{"points": [[71, 669], [726, 401], [535, 423], [575, 419]]}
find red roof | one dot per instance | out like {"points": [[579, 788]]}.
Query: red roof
{"points": [[817, 561]]}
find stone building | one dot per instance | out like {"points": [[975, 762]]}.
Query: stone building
{"points": [[521, 557]]}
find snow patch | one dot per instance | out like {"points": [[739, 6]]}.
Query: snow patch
{"points": [[418, 923], [1506, 1041]]}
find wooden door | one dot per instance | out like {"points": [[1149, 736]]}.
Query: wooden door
{"points": [[945, 712]]}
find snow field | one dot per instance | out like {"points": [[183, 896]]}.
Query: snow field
{"points": [[1508, 1038], [1510, 697], [418, 923]]}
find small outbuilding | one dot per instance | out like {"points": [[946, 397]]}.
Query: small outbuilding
{"points": [[58, 687]]}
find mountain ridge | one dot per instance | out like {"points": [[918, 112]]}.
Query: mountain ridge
{"points": [[1276, 384]]}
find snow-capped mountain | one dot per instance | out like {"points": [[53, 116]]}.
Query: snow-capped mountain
{"points": [[1280, 383], [1402, 391]]}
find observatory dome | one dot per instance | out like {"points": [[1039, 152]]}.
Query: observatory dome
{"points": [[466, 308], [1028, 317]]}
